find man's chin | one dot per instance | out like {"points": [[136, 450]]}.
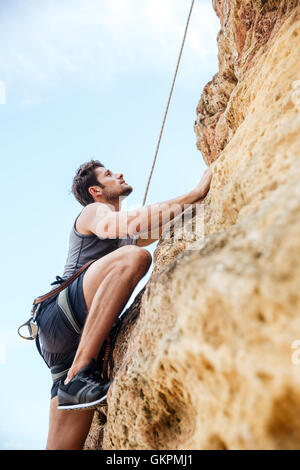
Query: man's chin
{"points": [[127, 190]]}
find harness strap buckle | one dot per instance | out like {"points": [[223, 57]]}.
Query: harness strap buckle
{"points": [[34, 311]]}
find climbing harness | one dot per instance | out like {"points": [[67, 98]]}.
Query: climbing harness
{"points": [[32, 322], [105, 358]]}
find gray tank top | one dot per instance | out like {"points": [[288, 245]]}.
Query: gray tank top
{"points": [[83, 248]]}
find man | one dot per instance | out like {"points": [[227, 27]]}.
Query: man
{"points": [[74, 324]]}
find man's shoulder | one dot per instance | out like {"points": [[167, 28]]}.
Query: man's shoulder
{"points": [[95, 208], [90, 215]]}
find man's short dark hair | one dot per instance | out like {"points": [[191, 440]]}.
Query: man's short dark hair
{"points": [[84, 178]]}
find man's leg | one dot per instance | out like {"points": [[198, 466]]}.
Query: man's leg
{"points": [[68, 429], [107, 285]]}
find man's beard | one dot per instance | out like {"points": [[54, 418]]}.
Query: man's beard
{"points": [[113, 196]]}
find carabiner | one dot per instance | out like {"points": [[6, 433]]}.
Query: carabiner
{"points": [[32, 328], [31, 323]]}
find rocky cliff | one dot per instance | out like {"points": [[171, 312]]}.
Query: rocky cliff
{"points": [[207, 357]]}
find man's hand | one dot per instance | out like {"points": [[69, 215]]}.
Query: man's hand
{"points": [[203, 186]]}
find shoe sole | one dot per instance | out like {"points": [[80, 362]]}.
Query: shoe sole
{"points": [[81, 406]]}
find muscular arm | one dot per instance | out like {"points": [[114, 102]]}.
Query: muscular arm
{"points": [[146, 238], [104, 222], [145, 223]]}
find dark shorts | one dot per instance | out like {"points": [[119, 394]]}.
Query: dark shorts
{"points": [[57, 338]]}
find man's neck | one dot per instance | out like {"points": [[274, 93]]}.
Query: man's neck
{"points": [[114, 204]]}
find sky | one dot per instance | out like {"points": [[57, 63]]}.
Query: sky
{"points": [[82, 79]]}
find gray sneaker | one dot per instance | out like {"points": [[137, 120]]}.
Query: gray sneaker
{"points": [[85, 389]]}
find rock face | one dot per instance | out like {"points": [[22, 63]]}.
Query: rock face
{"points": [[207, 357], [248, 31]]}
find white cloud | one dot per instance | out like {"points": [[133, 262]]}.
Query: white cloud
{"points": [[95, 42]]}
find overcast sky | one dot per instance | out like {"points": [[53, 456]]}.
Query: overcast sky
{"points": [[95, 42], [83, 79]]}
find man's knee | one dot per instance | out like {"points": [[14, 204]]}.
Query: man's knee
{"points": [[137, 256]]}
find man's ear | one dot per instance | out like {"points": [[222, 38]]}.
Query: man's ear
{"points": [[95, 191]]}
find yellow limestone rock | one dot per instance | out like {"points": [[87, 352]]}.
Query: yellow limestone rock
{"points": [[207, 357]]}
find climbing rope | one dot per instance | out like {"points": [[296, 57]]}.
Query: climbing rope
{"points": [[169, 100]]}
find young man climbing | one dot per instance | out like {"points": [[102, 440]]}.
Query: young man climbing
{"points": [[73, 326]]}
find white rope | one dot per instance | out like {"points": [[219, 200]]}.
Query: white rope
{"points": [[169, 100]]}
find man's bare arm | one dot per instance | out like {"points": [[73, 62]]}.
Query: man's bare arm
{"points": [[107, 223]]}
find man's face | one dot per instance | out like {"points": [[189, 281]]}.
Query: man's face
{"points": [[114, 184]]}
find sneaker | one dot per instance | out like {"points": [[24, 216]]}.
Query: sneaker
{"points": [[84, 390]]}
